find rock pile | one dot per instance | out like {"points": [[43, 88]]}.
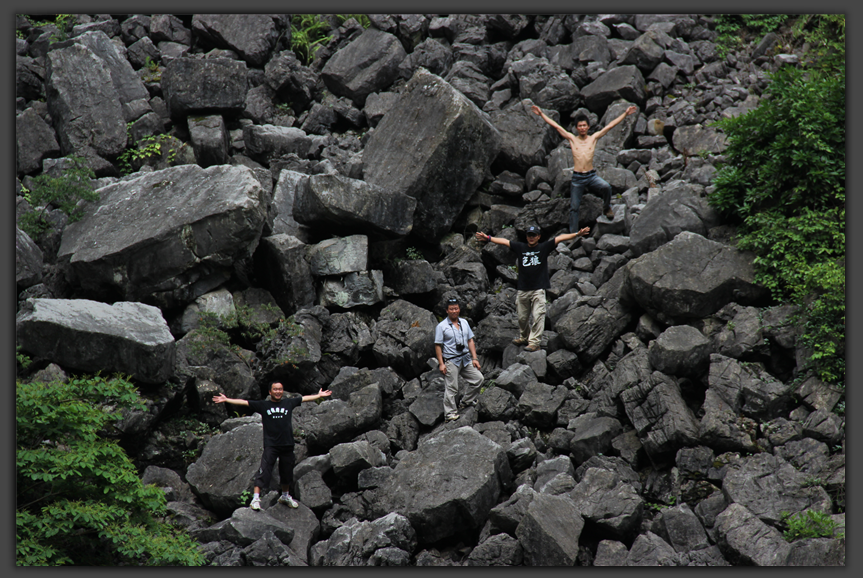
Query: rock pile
{"points": [[325, 210]]}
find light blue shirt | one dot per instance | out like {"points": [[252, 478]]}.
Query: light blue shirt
{"points": [[447, 336]]}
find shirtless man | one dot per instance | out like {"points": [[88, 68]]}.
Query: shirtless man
{"points": [[583, 174]]}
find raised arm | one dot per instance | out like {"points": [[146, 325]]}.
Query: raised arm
{"points": [[496, 240], [568, 236], [221, 398], [615, 122], [318, 395], [562, 131]]}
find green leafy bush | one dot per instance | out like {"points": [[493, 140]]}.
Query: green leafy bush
{"points": [[308, 34], [731, 28], [79, 498], [784, 184], [808, 524], [63, 193]]}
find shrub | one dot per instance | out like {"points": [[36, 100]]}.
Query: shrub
{"points": [[63, 193], [808, 524], [784, 184], [79, 498]]}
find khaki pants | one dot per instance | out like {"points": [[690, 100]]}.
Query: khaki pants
{"points": [[527, 304], [470, 375]]}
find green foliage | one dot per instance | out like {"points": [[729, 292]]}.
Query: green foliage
{"points": [[63, 193], [363, 19], [825, 34], [731, 28], [23, 360], [79, 498], [413, 254], [785, 185], [808, 524], [308, 34], [149, 147]]}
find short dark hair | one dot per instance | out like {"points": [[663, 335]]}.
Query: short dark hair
{"points": [[452, 301], [581, 117]]}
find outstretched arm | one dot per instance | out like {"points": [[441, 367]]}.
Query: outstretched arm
{"points": [[318, 395], [568, 236], [615, 122], [496, 240], [563, 132], [221, 398]]}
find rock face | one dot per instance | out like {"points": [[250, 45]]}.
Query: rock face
{"points": [[128, 337], [270, 215], [448, 484], [170, 234], [433, 145]]}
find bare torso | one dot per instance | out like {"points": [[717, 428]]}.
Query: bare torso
{"points": [[582, 153]]}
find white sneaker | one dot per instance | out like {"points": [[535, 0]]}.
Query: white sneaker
{"points": [[256, 504], [287, 500]]}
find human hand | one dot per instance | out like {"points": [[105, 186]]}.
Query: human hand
{"points": [[442, 368], [631, 110], [536, 110], [326, 393], [219, 398]]}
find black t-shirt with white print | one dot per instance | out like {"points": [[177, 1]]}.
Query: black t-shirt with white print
{"points": [[532, 263], [276, 419]]}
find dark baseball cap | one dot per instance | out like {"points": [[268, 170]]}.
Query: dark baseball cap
{"points": [[533, 229]]}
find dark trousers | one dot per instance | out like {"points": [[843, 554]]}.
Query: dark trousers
{"points": [[586, 181], [285, 455]]}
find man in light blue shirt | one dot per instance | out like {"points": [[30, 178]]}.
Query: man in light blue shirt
{"points": [[456, 356]]}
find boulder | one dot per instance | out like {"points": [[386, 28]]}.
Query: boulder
{"points": [[680, 350], [387, 541], [525, 139], [368, 64], [251, 36], [404, 338], [448, 485], [458, 145], [550, 530], [209, 140], [746, 540], [244, 527], [668, 214], [620, 82], [591, 325], [611, 503], [331, 200], [127, 337], [28, 261], [690, 278], [85, 108], [35, 140], [266, 143], [172, 235], [660, 416], [285, 272], [335, 421], [339, 255], [204, 85]]}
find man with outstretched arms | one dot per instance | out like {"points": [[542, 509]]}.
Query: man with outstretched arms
{"points": [[584, 176], [455, 351], [533, 280], [276, 414]]}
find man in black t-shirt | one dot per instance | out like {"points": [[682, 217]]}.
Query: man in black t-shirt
{"points": [[533, 280], [278, 438]]}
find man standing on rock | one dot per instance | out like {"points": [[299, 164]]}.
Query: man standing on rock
{"points": [[583, 174], [533, 280], [278, 438], [456, 356]]}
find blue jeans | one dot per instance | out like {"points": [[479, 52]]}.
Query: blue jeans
{"points": [[591, 182]]}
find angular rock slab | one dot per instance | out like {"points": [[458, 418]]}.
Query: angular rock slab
{"points": [[667, 214], [691, 277], [448, 484], [404, 338], [434, 145], [28, 260], [746, 540], [173, 233], [550, 530], [339, 204], [204, 85], [125, 337]]}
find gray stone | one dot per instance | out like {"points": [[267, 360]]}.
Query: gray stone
{"points": [[127, 337], [744, 539], [550, 530], [204, 85], [252, 36], [680, 350]]}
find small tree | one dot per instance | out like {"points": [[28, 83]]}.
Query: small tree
{"points": [[79, 498]]}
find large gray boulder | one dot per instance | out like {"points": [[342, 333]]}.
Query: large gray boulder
{"points": [[340, 203], [336, 421], [379, 542], [339, 255], [172, 234], [526, 139], [35, 141], [85, 108], [549, 531], [746, 540], [267, 142], [227, 468], [404, 338], [666, 215], [660, 416], [204, 85], [366, 65], [545, 84], [28, 261], [691, 277], [252, 36], [619, 82], [680, 350], [433, 145], [209, 140], [448, 485], [591, 326], [608, 501], [244, 527], [285, 272], [748, 389], [126, 337]]}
